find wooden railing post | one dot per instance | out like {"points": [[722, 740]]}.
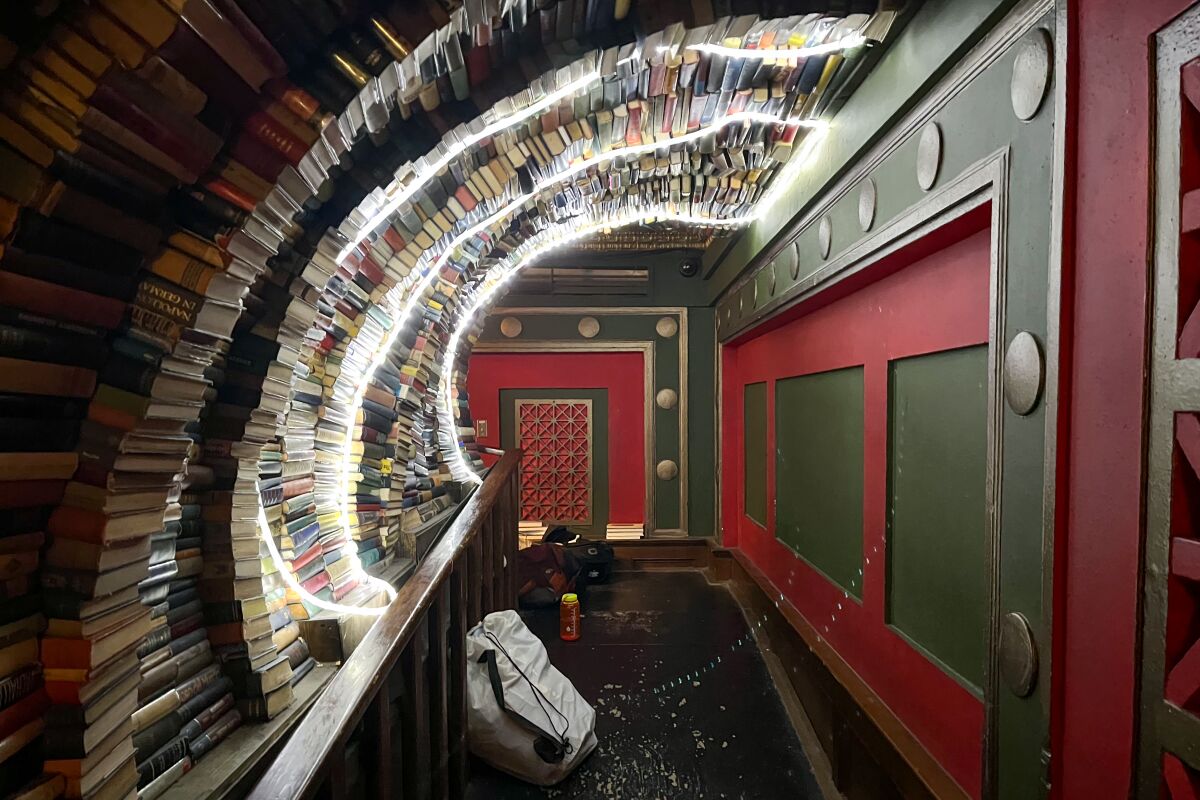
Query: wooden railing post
{"points": [[488, 572], [513, 504], [377, 726], [475, 609], [439, 652], [415, 718], [456, 701]]}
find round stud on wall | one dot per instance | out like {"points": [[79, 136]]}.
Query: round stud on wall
{"points": [[754, 292], [511, 327], [1024, 373], [1018, 654], [1031, 74], [789, 260], [824, 236], [666, 470], [666, 399], [866, 204], [666, 327], [929, 155], [773, 277], [589, 327]]}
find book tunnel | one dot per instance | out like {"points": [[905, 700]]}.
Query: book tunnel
{"points": [[599, 398]]}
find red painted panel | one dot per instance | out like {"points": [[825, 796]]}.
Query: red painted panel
{"points": [[620, 373], [925, 302], [1105, 294]]}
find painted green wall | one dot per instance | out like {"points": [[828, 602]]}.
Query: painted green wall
{"points": [[819, 472], [937, 511], [934, 39], [754, 451]]}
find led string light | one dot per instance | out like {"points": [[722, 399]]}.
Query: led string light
{"points": [[264, 532], [415, 290], [750, 53], [455, 151]]}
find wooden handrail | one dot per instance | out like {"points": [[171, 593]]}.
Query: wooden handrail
{"points": [[470, 572]]}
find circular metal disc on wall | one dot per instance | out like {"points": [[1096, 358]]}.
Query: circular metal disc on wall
{"points": [[741, 303], [772, 277], [929, 155], [666, 470], [1024, 373], [589, 327], [754, 293], [666, 398], [1018, 655], [825, 236], [666, 327], [1031, 74], [511, 327], [866, 204], [789, 259]]}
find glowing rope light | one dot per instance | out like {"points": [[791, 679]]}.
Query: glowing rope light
{"points": [[417, 291], [750, 53], [513, 264], [454, 152], [264, 532], [428, 274]]}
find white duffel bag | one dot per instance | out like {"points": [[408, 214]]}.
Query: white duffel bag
{"points": [[523, 716]]}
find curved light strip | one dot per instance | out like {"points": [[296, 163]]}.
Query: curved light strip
{"points": [[417, 290], [264, 532], [750, 53], [454, 152], [501, 275]]}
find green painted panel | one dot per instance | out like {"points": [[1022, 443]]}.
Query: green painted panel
{"points": [[754, 415], [599, 398], [819, 472], [937, 514], [702, 422]]}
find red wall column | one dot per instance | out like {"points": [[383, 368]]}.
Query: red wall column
{"points": [[1106, 270], [622, 374]]}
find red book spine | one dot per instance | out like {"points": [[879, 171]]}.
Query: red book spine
{"points": [[146, 127], [263, 161], [60, 302], [316, 583], [371, 270], [229, 192], [479, 64], [265, 128]]}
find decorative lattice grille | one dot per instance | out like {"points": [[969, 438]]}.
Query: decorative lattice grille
{"points": [[556, 473]]}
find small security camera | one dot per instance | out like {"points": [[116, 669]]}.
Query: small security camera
{"points": [[689, 267]]}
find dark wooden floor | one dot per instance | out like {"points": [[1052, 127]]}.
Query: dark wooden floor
{"points": [[717, 730]]}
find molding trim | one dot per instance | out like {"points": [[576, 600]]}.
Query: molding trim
{"points": [[988, 51]]}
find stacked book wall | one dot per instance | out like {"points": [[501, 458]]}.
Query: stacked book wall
{"points": [[200, 267]]}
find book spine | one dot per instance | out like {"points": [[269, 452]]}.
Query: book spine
{"points": [[20, 685], [217, 732], [162, 760]]}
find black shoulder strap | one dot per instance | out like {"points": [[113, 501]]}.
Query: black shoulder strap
{"points": [[550, 750]]}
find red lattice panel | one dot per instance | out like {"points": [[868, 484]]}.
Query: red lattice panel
{"points": [[1181, 686], [556, 473]]}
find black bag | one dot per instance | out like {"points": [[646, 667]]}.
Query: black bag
{"points": [[595, 558]]}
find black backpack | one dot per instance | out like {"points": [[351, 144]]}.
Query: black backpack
{"points": [[596, 558]]}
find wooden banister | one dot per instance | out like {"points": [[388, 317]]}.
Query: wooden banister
{"points": [[393, 719]]}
